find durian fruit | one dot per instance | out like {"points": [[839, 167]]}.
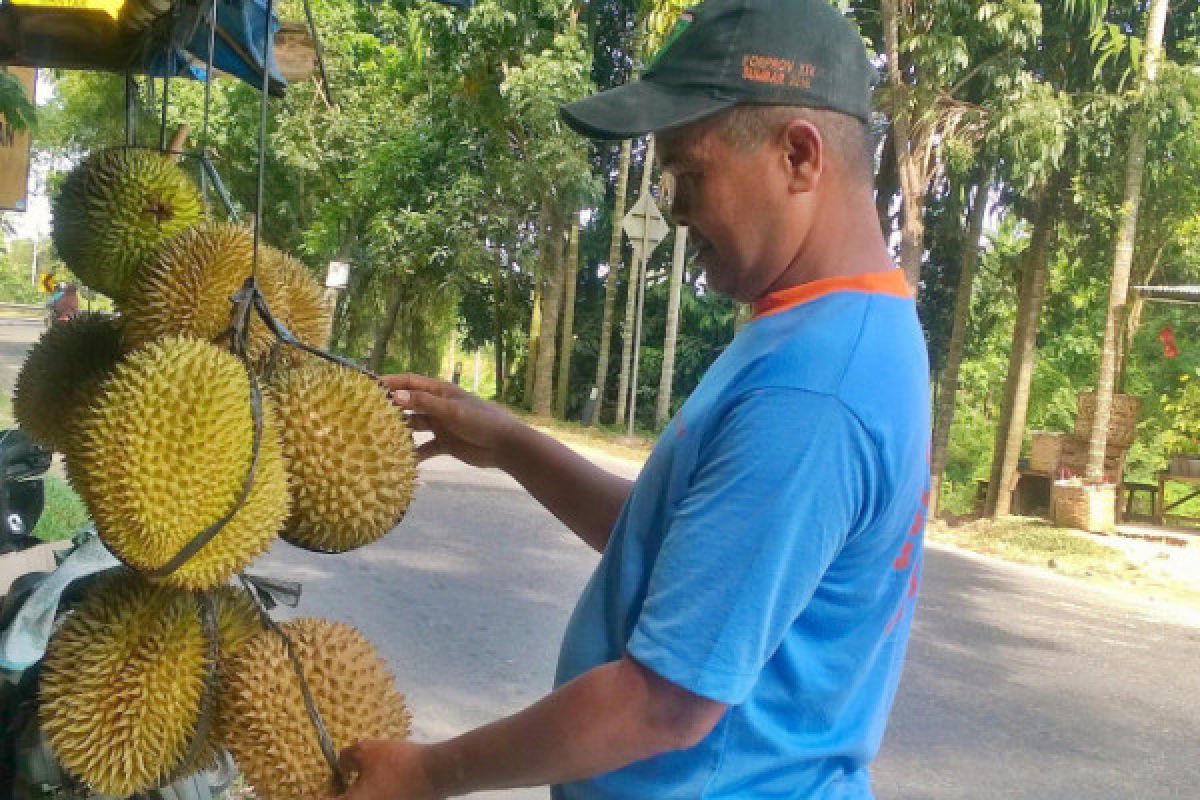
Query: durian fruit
{"points": [[268, 730], [164, 452], [349, 457], [305, 311], [61, 373], [186, 289], [115, 209], [123, 679]]}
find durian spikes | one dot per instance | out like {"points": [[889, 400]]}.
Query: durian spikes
{"points": [[186, 289], [268, 730], [114, 211], [164, 453], [60, 375], [123, 679], [349, 457], [304, 310]]}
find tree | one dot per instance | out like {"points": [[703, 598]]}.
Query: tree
{"points": [[1123, 248], [570, 270], [933, 53], [947, 391], [662, 408], [614, 271]]}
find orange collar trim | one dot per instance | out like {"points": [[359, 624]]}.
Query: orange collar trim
{"points": [[890, 282]]}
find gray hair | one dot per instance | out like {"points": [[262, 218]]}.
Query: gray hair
{"points": [[746, 126]]}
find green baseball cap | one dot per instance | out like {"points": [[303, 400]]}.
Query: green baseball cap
{"points": [[725, 52]]}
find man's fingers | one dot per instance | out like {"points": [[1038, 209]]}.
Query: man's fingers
{"points": [[422, 402], [418, 422], [412, 382], [428, 450], [349, 760]]}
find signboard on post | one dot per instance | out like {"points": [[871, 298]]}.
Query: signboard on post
{"points": [[14, 151], [338, 275], [646, 228]]}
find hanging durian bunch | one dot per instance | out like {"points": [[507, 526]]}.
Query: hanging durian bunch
{"points": [[153, 410]]}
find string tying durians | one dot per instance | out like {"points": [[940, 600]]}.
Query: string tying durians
{"points": [[165, 452]]}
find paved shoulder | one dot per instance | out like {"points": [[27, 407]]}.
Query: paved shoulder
{"points": [[1019, 686]]}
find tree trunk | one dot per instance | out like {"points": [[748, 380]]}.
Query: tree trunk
{"points": [[531, 350], [552, 297], [636, 276], [387, 326], [662, 409], [501, 301], [887, 183], [1011, 428], [1134, 320], [614, 271], [570, 272], [912, 183], [1135, 167], [948, 388]]}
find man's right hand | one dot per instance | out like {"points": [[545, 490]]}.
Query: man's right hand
{"points": [[463, 425]]}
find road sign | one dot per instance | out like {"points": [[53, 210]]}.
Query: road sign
{"points": [[337, 275], [645, 226], [47, 283]]}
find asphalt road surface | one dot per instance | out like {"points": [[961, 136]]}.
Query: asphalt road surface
{"points": [[1017, 686]]}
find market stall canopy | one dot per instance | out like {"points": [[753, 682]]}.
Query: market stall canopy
{"points": [[1173, 294], [149, 37]]}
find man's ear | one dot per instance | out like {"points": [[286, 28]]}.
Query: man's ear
{"points": [[804, 150]]}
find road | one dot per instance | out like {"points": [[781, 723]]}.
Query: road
{"points": [[1018, 685]]}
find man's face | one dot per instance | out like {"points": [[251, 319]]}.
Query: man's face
{"points": [[733, 201]]}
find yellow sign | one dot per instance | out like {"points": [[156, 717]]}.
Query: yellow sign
{"points": [[14, 151], [110, 7], [47, 283]]}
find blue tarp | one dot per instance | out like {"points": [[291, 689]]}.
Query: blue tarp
{"points": [[239, 43]]}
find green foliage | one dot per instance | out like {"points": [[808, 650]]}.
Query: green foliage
{"points": [[15, 105]]}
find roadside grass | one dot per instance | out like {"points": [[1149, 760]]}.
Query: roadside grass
{"points": [[64, 515], [603, 438], [1035, 541]]}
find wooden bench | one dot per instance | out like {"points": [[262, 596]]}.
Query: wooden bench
{"points": [[1160, 512], [1130, 491]]}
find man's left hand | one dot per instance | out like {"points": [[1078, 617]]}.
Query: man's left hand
{"points": [[387, 769]]}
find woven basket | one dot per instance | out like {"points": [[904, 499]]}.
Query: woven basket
{"points": [[1089, 507], [1122, 420], [1073, 458], [1047, 452]]}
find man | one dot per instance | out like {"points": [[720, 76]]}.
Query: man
{"points": [[743, 634]]}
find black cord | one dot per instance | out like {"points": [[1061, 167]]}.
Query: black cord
{"points": [[208, 75], [168, 60], [310, 705], [262, 132]]}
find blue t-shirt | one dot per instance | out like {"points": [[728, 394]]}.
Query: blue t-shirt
{"points": [[769, 554]]}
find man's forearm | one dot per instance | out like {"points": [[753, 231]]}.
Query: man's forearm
{"points": [[584, 497], [590, 726]]}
